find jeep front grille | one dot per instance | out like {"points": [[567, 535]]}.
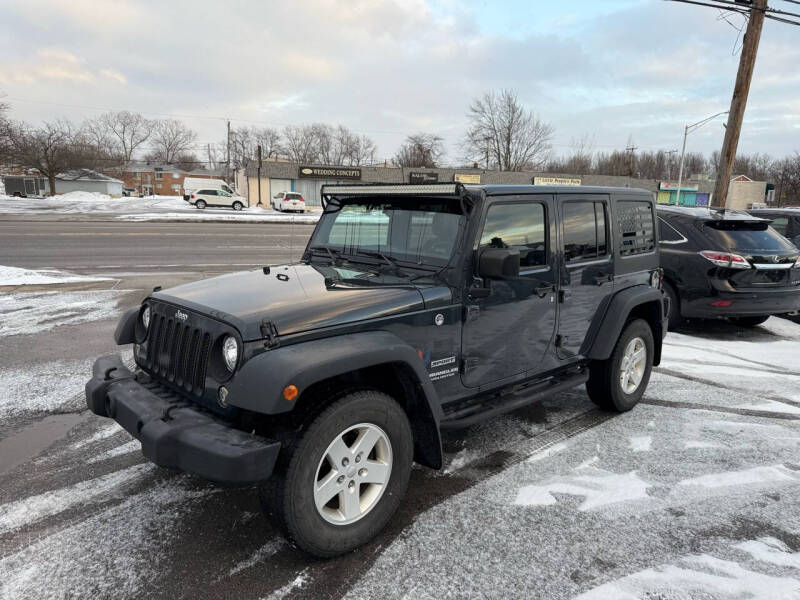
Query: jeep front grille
{"points": [[178, 353]]}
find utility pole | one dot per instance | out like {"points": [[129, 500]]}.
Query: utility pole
{"points": [[228, 154], [259, 174], [631, 151], [669, 154], [747, 62]]}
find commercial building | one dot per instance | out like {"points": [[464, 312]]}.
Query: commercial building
{"points": [[147, 179], [308, 180]]}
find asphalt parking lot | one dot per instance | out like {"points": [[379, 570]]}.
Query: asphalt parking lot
{"points": [[693, 494]]}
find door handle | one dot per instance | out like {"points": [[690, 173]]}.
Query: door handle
{"points": [[544, 290], [603, 278]]}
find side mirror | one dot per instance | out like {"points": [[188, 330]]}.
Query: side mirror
{"points": [[498, 262]]}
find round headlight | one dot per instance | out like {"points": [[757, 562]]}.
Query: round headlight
{"points": [[146, 317], [230, 352]]}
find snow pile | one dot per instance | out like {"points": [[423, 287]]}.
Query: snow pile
{"points": [[18, 276], [253, 215], [28, 313]]}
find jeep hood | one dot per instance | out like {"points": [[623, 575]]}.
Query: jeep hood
{"points": [[295, 298]]}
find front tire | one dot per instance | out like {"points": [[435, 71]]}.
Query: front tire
{"points": [[749, 321], [618, 383], [237, 206], [344, 476]]}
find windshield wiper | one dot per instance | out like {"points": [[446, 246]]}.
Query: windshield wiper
{"points": [[390, 260], [334, 258]]}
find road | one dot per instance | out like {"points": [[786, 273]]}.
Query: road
{"points": [[691, 494], [120, 248]]}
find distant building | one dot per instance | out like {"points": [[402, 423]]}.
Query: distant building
{"points": [[743, 193], [147, 179], [86, 180]]}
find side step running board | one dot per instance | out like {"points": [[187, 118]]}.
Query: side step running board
{"points": [[491, 407]]}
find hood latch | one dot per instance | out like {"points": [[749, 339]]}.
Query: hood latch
{"points": [[270, 334]]}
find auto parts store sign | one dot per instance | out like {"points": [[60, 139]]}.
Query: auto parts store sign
{"points": [[556, 181], [329, 172]]}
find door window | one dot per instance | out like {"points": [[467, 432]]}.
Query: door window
{"points": [[520, 226], [585, 234], [780, 224], [636, 227]]}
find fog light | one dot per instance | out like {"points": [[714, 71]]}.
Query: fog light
{"points": [[222, 396], [290, 392]]}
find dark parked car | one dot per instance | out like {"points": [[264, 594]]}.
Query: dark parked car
{"points": [[785, 221], [415, 308], [726, 263]]}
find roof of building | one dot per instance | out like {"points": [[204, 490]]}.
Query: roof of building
{"points": [[85, 175], [144, 166]]}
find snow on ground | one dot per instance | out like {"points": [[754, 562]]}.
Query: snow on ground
{"points": [[150, 208], [17, 276], [47, 387], [33, 312], [116, 553]]}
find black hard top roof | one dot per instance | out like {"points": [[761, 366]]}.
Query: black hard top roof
{"points": [[492, 189]]}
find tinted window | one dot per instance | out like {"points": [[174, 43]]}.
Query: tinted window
{"points": [[780, 224], [746, 236], [667, 233], [519, 226], [636, 227], [208, 192], [584, 230]]}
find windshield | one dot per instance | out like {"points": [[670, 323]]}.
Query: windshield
{"points": [[747, 236], [413, 231]]}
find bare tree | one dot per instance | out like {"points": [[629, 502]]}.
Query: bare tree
{"points": [[245, 142], [5, 127], [130, 129], [170, 141], [300, 143], [420, 150], [513, 137], [55, 147], [787, 180], [362, 151]]}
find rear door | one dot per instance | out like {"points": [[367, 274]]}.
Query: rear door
{"points": [[587, 268], [508, 333]]}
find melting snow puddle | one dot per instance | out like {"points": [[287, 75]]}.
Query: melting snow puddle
{"points": [[461, 459], [106, 432], [707, 576], [598, 486], [34, 312]]}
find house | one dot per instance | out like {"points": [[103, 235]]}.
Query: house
{"points": [[86, 180], [743, 193], [148, 178]]}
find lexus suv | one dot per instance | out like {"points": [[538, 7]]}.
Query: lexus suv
{"points": [[726, 263], [414, 309]]}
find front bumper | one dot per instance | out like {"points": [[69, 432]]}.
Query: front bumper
{"points": [[742, 304], [175, 433]]}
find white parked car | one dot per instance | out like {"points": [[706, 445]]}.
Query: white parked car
{"points": [[293, 201], [203, 198]]}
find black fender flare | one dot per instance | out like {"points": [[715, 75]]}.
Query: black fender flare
{"points": [[258, 385], [125, 333], [609, 328]]}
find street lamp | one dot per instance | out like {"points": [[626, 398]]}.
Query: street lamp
{"points": [[686, 131]]}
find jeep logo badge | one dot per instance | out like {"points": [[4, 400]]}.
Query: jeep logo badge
{"points": [[181, 316]]}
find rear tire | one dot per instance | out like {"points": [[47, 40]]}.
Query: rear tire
{"points": [[201, 204], [237, 206], [674, 316], [749, 321], [611, 382], [294, 497]]}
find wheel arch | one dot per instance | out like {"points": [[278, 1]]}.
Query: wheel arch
{"points": [[638, 302], [324, 369]]}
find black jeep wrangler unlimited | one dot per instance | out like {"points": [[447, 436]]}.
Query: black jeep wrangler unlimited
{"points": [[415, 308]]}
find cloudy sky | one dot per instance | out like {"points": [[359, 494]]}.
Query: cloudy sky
{"points": [[610, 69]]}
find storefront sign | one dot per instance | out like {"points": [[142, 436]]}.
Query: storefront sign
{"points": [[423, 177], [329, 172], [556, 181], [467, 178], [669, 186]]}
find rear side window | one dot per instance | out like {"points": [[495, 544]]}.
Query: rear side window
{"points": [[667, 234], [780, 224], [584, 230], [636, 227], [208, 192], [746, 236], [519, 226]]}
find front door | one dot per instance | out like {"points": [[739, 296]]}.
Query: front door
{"points": [[587, 269], [508, 333]]}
